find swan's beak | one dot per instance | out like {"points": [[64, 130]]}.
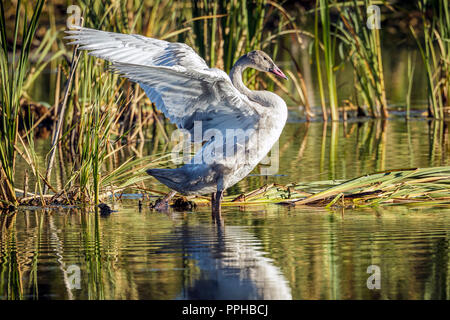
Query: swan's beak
{"points": [[276, 71]]}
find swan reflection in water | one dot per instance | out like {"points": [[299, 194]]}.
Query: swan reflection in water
{"points": [[218, 262], [232, 265]]}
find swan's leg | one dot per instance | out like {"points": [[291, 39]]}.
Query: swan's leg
{"points": [[163, 204], [217, 199], [213, 199], [216, 208]]}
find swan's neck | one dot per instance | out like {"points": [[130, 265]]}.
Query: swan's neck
{"points": [[236, 79], [264, 98]]}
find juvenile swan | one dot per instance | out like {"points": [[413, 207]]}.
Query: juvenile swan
{"points": [[238, 126]]}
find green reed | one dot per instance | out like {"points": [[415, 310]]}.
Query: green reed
{"points": [[435, 53], [362, 47], [103, 109], [326, 40], [13, 72], [411, 69], [225, 30]]}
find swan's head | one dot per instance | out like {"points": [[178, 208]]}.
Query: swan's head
{"points": [[261, 61]]}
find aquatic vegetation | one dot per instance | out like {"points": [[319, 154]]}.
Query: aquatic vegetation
{"points": [[13, 72], [435, 53], [103, 134], [362, 47], [407, 186], [411, 69], [326, 39], [96, 114]]}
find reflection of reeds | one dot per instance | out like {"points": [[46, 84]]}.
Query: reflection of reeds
{"points": [[11, 284]]}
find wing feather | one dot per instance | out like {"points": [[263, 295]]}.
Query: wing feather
{"points": [[136, 49], [174, 77]]}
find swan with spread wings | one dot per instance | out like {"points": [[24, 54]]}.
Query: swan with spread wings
{"points": [[197, 98]]}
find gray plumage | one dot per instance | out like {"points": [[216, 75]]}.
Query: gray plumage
{"points": [[186, 90]]}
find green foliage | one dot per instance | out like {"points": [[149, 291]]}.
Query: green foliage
{"points": [[362, 47], [422, 185], [326, 40], [435, 53], [13, 72]]}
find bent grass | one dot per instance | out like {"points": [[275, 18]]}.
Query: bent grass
{"points": [[405, 186]]}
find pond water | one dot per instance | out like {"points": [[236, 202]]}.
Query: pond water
{"points": [[267, 252]]}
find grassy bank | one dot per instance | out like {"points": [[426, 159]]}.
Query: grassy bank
{"points": [[94, 114]]}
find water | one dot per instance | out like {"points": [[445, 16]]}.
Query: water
{"points": [[266, 252]]}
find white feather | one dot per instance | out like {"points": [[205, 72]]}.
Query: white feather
{"points": [[174, 77]]}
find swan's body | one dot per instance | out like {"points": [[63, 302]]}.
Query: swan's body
{"points": [[186, 90], [198, 177]]}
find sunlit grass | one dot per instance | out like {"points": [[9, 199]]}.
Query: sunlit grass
{"points": [[435, 53], [13, 73], [362, 47], [421, 185], [325, 39]]}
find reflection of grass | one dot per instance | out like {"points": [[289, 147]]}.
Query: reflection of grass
{"points": [[10, 269], [93, 256]]}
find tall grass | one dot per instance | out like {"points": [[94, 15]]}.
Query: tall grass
{"points": [[94, 127], [411, 69], [326, 40], [435, 53], [363, 50], [103, 110], [13, 72]]}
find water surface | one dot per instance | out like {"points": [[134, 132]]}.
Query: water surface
{"points": [[267, 252], [255, 252]]}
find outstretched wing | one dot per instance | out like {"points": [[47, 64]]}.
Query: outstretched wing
{"points": [[175, 78], [135, 49]]}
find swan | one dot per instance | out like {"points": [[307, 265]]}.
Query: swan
{"points": [[237, 126]]}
